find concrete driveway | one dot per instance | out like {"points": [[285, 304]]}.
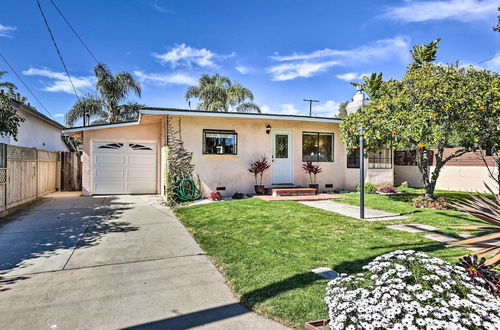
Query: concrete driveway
{"points": [[71, 262]]}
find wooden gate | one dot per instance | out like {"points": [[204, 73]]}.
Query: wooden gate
{"points": [[71, 171]]}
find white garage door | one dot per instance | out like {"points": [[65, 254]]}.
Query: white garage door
{"points": [[124, 168]]}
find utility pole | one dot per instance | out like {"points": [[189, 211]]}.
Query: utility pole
{"points": [[361, 172], [310, 105]]}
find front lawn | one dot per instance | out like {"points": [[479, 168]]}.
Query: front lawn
{"points": [[266, 249], [402, 204]]}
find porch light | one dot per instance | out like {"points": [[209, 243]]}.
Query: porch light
{"points": [[268, 128]]}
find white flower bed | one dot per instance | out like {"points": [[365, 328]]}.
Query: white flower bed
{"points": [[410, 290]]}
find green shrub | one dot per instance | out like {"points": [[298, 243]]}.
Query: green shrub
{"points": [[370, 188]]}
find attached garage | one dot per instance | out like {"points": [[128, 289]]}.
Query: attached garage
{"points": [[120, 167]]}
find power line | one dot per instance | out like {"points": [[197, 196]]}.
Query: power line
{"points": [[25, 85], [57, 49], [488, 59], [74, 31]]}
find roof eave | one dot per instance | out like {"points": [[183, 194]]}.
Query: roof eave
{"points": [[180, 112]]}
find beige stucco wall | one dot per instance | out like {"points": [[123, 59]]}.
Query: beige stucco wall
{"points": [[377, 176], [151, 132], [456, 178], [231, 171]]}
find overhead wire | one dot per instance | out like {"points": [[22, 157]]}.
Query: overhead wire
{"points": [[26, 86], [57, 49], [74, 31]]}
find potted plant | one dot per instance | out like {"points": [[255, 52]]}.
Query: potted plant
{"points": [[257, 168], [312, 170]]}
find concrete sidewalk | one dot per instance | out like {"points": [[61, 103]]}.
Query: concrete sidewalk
{"points": [[71, 262], [353, 211]]}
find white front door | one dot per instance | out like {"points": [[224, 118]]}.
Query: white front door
{"points": [[282, 167], [124, 168]]}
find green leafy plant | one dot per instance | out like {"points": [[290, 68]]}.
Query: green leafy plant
{"points": [[370, 188], [431, 106], [180, 185]]}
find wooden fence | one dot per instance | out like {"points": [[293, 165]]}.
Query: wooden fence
{"points": [[27, 174]]}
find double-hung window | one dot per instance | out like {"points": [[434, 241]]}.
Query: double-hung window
{"points": [[220, 142], [317, 147]]}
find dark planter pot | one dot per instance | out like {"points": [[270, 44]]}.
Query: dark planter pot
{"points": [[259, 189], [318, 325], [315, 186]]}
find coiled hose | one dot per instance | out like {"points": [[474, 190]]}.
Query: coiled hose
{"points": [[187, 191]]}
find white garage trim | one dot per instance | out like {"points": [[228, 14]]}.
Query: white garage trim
{"points": [[124, 167]]}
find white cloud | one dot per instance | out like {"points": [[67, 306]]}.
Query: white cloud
{"points": [[5, 31], [184, 55], [460, 10], [290, 71], [60, 82], [327, 109], [243, 69], [308, 64], [59, 115], [166, 79], [159, 8], [350, 76]]}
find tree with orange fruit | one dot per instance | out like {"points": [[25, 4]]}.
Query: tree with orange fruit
{"points": [[431, 106]]}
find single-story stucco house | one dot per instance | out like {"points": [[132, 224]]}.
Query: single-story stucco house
{"points": [[36, 131], [128, 158]]}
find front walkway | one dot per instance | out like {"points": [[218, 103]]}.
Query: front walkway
{"points": [[71, 262], [353, 211]]}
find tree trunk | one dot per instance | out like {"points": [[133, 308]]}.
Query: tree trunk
{"points": [[423, 165]]}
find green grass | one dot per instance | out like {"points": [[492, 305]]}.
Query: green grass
{"points": [[266, 249], [401, 204]]}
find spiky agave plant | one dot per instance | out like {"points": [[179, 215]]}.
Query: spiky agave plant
{"points": [[482, 207]]}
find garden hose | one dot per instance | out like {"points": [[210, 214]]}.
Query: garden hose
{"points": [[187, 191]]}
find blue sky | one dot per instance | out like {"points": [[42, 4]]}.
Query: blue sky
{"points": [[284, 51]]}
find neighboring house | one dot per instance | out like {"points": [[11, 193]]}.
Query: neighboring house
{"points": [[37, 131], [129, 157]]}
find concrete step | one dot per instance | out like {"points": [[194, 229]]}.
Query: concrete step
{"points": [[293, 192]]}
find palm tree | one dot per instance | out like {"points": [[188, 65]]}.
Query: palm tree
{"points": [[424, 53], [219, 93], [107, 106], [371, 85]]}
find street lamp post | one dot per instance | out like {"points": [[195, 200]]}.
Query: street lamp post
{"points": [[361, 173]]}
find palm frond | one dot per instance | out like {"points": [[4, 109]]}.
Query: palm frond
{"points": [[129, 111], [127, 83], [192, 92], [248, 107], [91, 105]]}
